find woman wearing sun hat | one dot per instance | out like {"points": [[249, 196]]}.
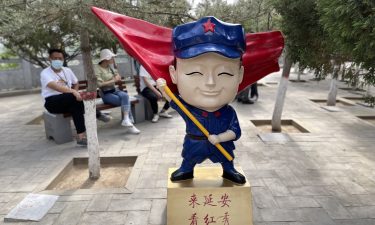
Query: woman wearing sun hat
{"points": [[107, 76]]}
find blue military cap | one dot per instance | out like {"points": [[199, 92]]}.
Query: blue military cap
{"points": [[208, 35]]}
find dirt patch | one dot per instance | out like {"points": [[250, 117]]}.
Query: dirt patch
{"points": [[370, 119], [36, 121], [352, 89], [272, 83], [323, 102], [337, 104], [298, 81], [114, 173], [287, 126], [267, 128], [111, 176]]}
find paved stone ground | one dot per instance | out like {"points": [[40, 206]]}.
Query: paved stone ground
{"points": [[324, 177]]}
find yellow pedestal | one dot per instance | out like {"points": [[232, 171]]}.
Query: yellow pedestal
{"points": [[208, 199]]}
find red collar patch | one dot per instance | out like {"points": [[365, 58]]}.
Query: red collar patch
{"points": [[216, 114]]}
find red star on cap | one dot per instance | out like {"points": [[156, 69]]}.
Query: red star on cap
{"points": [[208, 26]]}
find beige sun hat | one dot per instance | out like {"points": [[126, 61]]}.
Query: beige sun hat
{"points": [[106, 54]]}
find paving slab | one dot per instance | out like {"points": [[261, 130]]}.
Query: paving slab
{"points": [[331, 108], [32, 208], [275, 137], [323, 177]]}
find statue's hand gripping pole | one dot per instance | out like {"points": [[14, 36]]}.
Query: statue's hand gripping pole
{"points": [[195, 121]]}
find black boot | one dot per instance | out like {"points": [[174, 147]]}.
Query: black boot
{"points": [[234, 176], [179, 175]]}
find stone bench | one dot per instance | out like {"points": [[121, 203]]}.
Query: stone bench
{"points": [[58, 126]]}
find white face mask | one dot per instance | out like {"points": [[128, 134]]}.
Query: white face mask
{"points": [[57, 64], [112, 66]]}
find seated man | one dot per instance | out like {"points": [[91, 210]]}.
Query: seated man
{"points": [[60, 91]]}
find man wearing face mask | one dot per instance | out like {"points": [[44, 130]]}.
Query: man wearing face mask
{"points": [[60, 91]]}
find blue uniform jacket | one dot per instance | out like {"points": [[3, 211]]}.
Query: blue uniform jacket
{"points": [[215, 122]]}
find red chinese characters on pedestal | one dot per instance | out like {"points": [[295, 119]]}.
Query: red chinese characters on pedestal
{"points": [[225, 219], [209, 201], [194, 219], [193, 201], [208, 220], [224, 200]]}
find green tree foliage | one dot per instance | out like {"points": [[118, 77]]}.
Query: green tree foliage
{"points": [[165, 13], [8, 66], [351, 27], [30, 27], [31, 42], [217, 8], [254, 15], [306, 40]]}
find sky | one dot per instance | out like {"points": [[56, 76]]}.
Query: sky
{"points": [[195, 2]]}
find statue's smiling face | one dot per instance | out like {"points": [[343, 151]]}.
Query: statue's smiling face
{"points": [[208, 81]]}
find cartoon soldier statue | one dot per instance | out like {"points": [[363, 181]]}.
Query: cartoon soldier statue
{"points": [[208, 61], [207, 73]]}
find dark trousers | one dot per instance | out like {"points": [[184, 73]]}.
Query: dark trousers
{"points": [[67, 103], [244, 94], [254, 90], [151, 96]]}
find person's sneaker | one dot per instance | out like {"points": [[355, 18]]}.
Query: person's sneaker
{"points": [[126, 123], [82, 142], [104, 118], [133, 130], [165, 114], [155, 118], [247, 101], [254, 98]]}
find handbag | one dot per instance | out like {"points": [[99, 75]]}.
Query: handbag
{"points": [[108, 89]]}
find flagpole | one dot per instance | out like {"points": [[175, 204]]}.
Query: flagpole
{"points": [[195, 121]]}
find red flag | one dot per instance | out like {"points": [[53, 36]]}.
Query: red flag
{"points": [[262, 55], [151, 45]]}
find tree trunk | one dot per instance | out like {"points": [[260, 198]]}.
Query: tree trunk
{"points": [[331, 101], [343, 70], [355, 80], [269, 18], [90, 108], [295, 67], [299, 74], [281, 92]]}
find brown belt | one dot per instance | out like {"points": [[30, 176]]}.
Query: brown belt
{"points": [[196, 137]]}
